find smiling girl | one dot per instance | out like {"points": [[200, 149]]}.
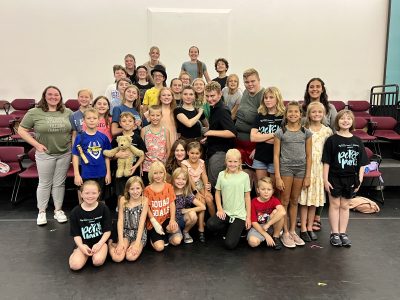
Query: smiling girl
{"points": [[130, 103], [233, 213], [314, 195], [232, 94], [344, 159], [292, 164], [195, 67]]}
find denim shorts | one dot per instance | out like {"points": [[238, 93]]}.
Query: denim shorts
{"points": [[259, 165]]}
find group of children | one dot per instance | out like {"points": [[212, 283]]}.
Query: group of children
{"points": [[297, 159]]}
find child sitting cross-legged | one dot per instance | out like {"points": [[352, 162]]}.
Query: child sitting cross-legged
{"points": [[266, 212]]}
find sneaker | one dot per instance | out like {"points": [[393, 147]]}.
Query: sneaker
{"points": [[335, 240], [312, 235], [60, 216], [345, 240], [202, 237], [41, 219], [278, 243], [297, 240], [287, 240], [187, 239], [305, 236]]}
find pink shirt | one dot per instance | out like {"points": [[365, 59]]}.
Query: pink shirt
{"points": [[102, 127]]}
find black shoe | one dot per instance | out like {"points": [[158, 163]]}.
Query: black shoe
{"points": [[278, 243], [202, 237], [312, 235], [335, 240], [345, 240], [304, 236]]}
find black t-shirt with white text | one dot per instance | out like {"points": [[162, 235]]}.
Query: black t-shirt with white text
{"points": [[344, 155], [90, 225], [266, 124]]}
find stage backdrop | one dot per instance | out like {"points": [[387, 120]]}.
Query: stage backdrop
{"points": [[74, 44]]}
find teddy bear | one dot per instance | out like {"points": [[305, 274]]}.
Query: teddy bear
{"points": [[124, 164]]}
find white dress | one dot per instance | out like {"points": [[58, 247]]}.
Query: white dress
{"points": [[314, 195]]}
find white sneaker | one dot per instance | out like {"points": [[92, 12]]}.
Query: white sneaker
{"points": [[187, 239], [60, 216], [41, 219]]}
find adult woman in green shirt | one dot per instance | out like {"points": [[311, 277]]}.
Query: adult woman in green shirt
{"points": [[50, 122]]}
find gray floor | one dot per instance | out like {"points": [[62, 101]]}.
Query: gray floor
{"points": [[34, 264]]}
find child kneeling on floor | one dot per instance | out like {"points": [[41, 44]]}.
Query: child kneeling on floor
{"points": [[232, 197], [162, 226], [90, 227], [266, 211], [131, 224]]}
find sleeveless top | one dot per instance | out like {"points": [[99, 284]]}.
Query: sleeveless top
{"points": [[156, 144], [195, 174], [131, 223]]}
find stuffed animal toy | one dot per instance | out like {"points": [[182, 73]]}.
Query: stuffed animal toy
{"points": [[124, 164]]}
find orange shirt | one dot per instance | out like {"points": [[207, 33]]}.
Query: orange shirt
{"points": [[159, 203]]}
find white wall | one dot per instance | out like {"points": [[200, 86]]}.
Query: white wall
{"points": [[74, 44]]}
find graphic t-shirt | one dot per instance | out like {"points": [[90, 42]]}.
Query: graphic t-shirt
{"points": [[90, 225], [159, 203], [344, 155], [76, 120], [102, 127], [260, 211], [52, 129], [266, 124], [92, 147]]}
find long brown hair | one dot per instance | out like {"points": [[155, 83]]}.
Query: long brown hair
{"points": [[107, 115], [43, 103]]}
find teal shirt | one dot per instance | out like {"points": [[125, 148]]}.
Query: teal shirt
{"points": [[233, 187], [52, 129]]}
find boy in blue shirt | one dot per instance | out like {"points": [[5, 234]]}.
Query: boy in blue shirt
{"points": [[87, 152]]}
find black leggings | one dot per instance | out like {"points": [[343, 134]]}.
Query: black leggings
{"points": [[233, 228]]}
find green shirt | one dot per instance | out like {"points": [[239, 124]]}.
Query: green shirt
{"points": [[233, 187], [52, 129]]}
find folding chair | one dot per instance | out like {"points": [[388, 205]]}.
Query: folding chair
{"points": [[339, 105], [360, 126], [375, 174], [72, 104], [10, 155], [360, 108], [5, 127], [21, 106], [5, 105], [30, 172], [384, 129]]}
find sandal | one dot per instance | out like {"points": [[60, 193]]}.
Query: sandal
{"points": [[316, 226]]}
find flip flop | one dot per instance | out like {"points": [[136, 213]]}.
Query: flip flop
{"points": [[316, 225]]}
